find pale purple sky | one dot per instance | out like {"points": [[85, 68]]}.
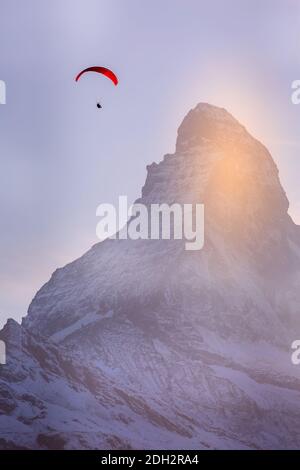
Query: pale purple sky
{"points": [[61, 157]]}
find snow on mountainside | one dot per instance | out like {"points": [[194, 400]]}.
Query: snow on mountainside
{"points": [[143, 344]]}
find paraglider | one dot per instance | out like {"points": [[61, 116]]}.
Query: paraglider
{"points": [[101, 70]]}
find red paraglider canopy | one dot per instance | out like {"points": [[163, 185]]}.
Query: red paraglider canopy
{"points": [[108, 73]]}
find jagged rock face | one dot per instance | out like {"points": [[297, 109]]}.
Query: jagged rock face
{"points": [[219, 163], [171, 348]]}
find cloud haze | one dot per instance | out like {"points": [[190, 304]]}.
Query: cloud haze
{"points": [[61, 157]]}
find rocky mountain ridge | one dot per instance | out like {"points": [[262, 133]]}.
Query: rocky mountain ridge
{"points": [[142, 344]]}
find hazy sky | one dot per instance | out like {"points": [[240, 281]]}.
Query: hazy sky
{"points": [[61, 156]]}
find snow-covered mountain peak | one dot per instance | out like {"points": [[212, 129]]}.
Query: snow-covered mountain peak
{"points": [[246, 228], [209, 123]]}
